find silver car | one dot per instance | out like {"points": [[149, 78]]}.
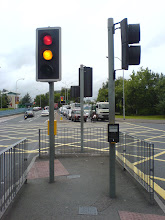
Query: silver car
{"points": [[45, 113]]}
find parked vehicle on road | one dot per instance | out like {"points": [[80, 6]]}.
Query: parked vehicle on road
{"points": [[76, 115], [45, 113], [87, 109], [101, 109], [63, 110], [68, 115], [36, 108], [75, 106]]}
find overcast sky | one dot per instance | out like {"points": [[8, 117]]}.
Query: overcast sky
{"points": [[84, 39]]}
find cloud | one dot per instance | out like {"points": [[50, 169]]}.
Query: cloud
{"points": [[84, 38], [24, 56]]}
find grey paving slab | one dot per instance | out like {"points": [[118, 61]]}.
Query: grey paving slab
{"points": [[40, 200]]}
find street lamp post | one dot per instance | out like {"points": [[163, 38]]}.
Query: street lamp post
{"points": [[123, 92], [16, 91], [1, 99], [40, 96]]}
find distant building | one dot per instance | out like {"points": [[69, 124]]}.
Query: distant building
{"points": [[13, 99]]}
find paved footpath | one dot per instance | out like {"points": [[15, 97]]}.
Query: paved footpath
{"points": [[81, 191]]}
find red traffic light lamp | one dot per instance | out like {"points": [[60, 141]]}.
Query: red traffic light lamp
{"points": [[47, 40]]}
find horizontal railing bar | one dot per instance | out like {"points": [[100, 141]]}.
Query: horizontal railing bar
{"points": [[11, 146]]}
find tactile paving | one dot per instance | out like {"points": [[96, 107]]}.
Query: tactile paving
{"points": [[40, 169], [139, 216]]}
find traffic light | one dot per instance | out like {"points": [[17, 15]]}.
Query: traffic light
{"points": [[130, 34], [48, 54], [62, 101], [88, 81], [75, 91]]}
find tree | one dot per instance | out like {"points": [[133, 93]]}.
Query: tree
{"points": [[4, 100], [144, 93], [57, 97], [103, 93], [119, 95], [160, 91], [141, 97], [26, 99], [37, 100]]}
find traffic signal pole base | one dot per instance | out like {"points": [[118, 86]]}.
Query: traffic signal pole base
{"points": [[112, 175]]}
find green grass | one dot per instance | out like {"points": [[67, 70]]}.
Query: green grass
{"points": [[3, 109], [150, 117]]}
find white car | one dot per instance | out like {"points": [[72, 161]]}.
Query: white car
{"points": [[36, 109], [69, 111], [45, 113], [87, 110]]}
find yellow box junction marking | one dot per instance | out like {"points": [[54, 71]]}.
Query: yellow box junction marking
{"points": [[143, 176]]}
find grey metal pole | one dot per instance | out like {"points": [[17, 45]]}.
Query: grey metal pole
{"points": [[111, 97], [40, 100], [123, 98], [16, 92], [51, 132], [81, 104], [65, 95], [1, 99]]}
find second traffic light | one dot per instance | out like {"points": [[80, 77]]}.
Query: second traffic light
{"points": [[75, 91], [48, 54], [130, 34], [62, 101], [88, 81]]}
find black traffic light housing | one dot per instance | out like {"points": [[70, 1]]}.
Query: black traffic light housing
{"points": [[88, 81], [62, 101], [75, 91], [48, 54], [130, 34]]}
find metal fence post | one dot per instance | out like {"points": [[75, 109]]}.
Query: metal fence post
{"points": [[151, 172], [124, 150], [82, 105], [39, 143]]}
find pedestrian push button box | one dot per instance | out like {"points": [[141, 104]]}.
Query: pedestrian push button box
{"points": [[113, 133]]}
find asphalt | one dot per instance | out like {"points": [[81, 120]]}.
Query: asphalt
{"points": [[81, 191]]}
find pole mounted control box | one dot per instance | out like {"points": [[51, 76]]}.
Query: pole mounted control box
{"points": [[113, 133]]}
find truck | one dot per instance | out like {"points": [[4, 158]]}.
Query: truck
{"points": [[75, 106], [101, 109]]}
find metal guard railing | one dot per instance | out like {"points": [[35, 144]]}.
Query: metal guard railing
{"points": [[68, 141], [136, 156], [13, 172], [12, 112]]}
